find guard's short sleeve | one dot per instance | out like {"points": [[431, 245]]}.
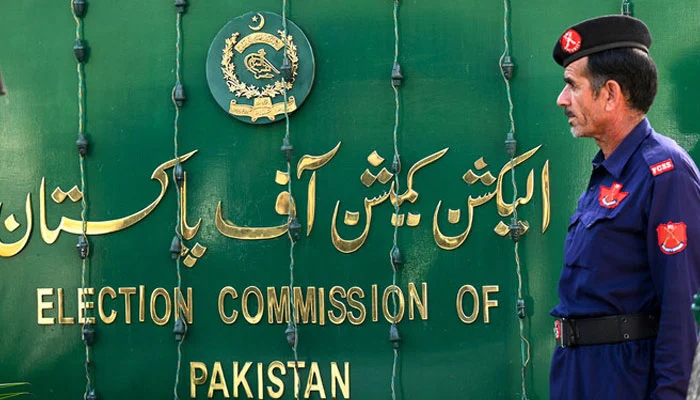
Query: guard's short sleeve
{"points": [[673, 243]]}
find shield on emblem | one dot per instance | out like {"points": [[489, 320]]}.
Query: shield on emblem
{"points": [[672, 237]]}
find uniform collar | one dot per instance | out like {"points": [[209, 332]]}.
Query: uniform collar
{"points": [[619, 157]]}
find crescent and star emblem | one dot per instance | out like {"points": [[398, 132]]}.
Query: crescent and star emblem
{"points": [[257, 17]]}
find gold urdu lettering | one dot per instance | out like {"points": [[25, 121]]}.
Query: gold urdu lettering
{"points": [[340, 381], [400, 304], [485, 290], [337, 304], [101, 305], [357, 305], [239, 377], [228, 290], [296, 366], [160, 292], [62, 319], [414, 301], [127, 292], [275, 380], [185, 306], [244, 305], [197, 380], [314, 382], [278, 311], [460, 304], [218, 382], [42, 305], [302, 308], [84, 305]]}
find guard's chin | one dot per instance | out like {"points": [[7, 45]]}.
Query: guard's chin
{"points": [[575, 133]]}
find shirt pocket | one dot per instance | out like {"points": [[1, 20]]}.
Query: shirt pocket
{"points": [[590, 232]]}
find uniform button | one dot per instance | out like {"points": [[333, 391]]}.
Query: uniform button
{"points": [[590, 189]]}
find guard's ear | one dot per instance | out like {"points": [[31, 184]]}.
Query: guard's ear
{"points": [[614, 98]]}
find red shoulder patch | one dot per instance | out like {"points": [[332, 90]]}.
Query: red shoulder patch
{"points": [[660, 168], [672, 237], [610, 197], [570, 41]]}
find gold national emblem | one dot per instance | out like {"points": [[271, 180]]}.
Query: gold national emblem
{"points": [[263, 67]]}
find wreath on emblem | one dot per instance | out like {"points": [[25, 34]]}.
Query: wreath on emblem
{"points": [[240, 89]]}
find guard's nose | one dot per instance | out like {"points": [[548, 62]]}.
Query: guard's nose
{"points": [[564, 98]]}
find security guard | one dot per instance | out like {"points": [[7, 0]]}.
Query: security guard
{"points": [[632, 253]]}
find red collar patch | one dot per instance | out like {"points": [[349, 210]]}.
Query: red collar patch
{"points": [[570, 41], [660, 168], [672, 237], [610, 197]]}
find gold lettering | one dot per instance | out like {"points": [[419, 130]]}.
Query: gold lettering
{"points": [[279, 310], [275, 380], [84, 305], [142, 303], [488, 303], [321, 306], [296, 365], [314, 382], [415, 301], [375, 304], [460, 307], [305, 307], [239, 376], [42, 305], [357, 305], [228, 290], [101, 303], [160, 292], [340, 306], [127, 292], [399, 306], [61, 318], [244, 305], [197, 380], [186, 307], [338, 380], [260, 381], [218, 382]]}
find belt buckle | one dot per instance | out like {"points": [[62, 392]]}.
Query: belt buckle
{"points": [[558, 332]]}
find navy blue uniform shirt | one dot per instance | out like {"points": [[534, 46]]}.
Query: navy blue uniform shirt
{"points": [[633, 247]]}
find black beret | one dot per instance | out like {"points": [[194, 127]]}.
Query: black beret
{"points": [[599, 34]]}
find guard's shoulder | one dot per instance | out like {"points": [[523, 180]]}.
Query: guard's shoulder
{"points": [[663, 155]]}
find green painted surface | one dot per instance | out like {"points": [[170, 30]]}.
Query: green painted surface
{"points": [[453, 97]]}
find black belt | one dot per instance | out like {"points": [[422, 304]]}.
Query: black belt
{"points": [[605, 330]]}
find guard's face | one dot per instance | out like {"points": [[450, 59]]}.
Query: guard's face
{"points": [[583, 108]]}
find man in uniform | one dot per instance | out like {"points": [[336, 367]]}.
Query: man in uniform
{"points": [[632, 255]]}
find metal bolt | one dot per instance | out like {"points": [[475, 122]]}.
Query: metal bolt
{"points": [[88, 335], [507, 67], [291, 334], [287, 149], [175, 247], [396, 258], [521, 308], [179, 329], [295, 229], [514, 230], [80, 50], [396, 75], [394, 336], [83, 247], [179, 94], [396, 164], [180, 5], [179, 174], [79, 8], [286, 69], [82, 144], [511, 144]]}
